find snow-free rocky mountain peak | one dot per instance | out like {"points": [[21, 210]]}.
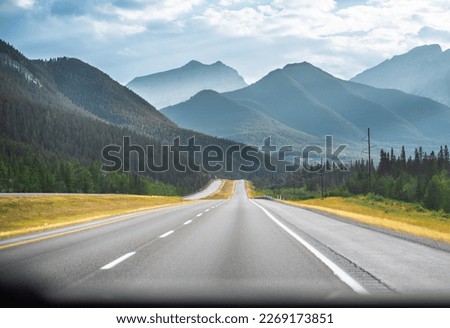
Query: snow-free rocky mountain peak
{"points": [[423, 71], [178, 85]]}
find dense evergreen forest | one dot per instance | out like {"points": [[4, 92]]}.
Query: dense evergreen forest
{"points": [[42, 140], [58, 115], [24, 170], [423, 178]]}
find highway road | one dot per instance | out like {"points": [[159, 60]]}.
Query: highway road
{"points": [[213, 252], [209, 190]]}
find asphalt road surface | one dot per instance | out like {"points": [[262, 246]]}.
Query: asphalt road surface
{"points": [[209, 190], [212, 252]]}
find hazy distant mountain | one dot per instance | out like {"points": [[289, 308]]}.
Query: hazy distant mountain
{"points": [[302, 102], [310, 100], [214, 114], [281, 97], [423, 71], [177, 85]]}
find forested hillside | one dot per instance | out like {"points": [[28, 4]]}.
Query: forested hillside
{"points": [[423, 179], [61, 114], [92, 90]]}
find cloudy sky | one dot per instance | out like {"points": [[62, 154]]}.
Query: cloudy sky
{"points": [[128, 38]]}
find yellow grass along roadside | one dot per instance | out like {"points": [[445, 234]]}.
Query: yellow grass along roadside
{"points": [[27, 214], [389, 214], [225, 191], [250, 189]]}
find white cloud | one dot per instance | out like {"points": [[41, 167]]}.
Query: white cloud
{"points": [[167, 10], [229, 3], [243, 22], [341, 37], [104, 29], [358, 35], [300, 6], [25, 4], [434, 35], [279, 18]]}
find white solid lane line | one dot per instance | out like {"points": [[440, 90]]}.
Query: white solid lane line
{"points": [[166, 234], [341, 274], [187, 222], [115, 262], [199, 214]]}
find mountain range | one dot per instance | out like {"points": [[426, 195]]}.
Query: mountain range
{"points": [[69, 110], [423, 71], [177, 85], [215, 114], [301, 98]]}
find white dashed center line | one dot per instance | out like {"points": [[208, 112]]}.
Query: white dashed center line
{"points": [[115, 262], [126, 256], [166, 234]]}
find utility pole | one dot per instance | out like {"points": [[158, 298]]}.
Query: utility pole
{"points": [[321, 174], [370, 161]]}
